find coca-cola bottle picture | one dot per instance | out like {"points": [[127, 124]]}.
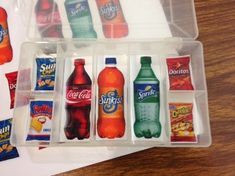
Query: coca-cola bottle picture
{"points": [[78, 103], [48, 19]]}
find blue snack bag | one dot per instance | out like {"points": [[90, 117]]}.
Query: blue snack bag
{"points": [[7, 151], [46, 68], [40, 120]]}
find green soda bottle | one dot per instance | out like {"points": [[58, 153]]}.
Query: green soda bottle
{"points": [[79, 17], [147, 101]]}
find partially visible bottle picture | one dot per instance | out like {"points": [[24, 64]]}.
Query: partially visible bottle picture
{"points": [[147, 102], [78, 103], [111, 121], [80, 19], [48, 19], [6, 52], [112, 17]]}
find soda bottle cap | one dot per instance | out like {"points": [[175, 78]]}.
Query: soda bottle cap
{"points": [[146, 60], [79, 62], [110, 60]]}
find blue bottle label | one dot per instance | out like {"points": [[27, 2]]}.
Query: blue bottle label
{"points": [[146, 92], [109, 10], [78, 9], [3, 33], [110, 101]]}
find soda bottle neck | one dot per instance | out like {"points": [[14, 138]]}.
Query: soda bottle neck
{"points": [[111, 65], [146, 72], [79, 69], [146, 66]]}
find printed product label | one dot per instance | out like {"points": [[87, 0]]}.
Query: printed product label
{"points": [[46, 68], [78, 9], [4, 39], [40, 125], [146, 92], [181, 117], [5, 129], [7, 151], [75, 95], [12, 78], [179, 73], [46, 19], [109, 11], [110, 102]]}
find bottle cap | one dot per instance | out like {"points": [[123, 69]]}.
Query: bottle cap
{"points": [[110, 60], [146, 60], [79, 62]]}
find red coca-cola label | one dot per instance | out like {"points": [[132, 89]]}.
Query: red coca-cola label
{"points": [[45, 19], [74, 95]]}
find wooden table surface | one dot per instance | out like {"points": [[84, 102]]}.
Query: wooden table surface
{"points": [[216, 21]]}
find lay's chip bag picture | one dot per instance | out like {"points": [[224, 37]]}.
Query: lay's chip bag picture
{"points": [[7, 151], [45, 73], [40, 120]]}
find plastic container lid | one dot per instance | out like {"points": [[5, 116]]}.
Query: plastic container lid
{"points": [[146, 20]]}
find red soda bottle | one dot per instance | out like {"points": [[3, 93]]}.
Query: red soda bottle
{"points": [[111, 121], [48, 19], [78, 103], [6, 53]]}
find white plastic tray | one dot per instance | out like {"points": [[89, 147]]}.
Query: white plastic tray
{"points": [[128, 57]]}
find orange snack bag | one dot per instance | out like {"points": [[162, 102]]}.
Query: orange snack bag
{"points": [[181, 119]]}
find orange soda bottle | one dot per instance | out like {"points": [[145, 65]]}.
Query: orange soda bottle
{"points": [[111, 121], [6, 53], [112, 17]]}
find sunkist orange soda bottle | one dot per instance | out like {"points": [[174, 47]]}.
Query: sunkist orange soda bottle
{"points": [[111, 121], [5, 45], [113, 19]]}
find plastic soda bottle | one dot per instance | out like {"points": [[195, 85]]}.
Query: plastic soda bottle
{"points": [[78, 103], [111, 121], [48, 19], [112, 17], [6, 52], [79, 16], [147, 102]]}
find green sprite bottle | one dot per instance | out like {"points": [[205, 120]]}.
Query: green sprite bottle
{"points": [[147, 102], [79, 17]]}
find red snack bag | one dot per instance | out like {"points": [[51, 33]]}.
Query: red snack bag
{"points": [[179, 73], [12, 78], [181, 118]]}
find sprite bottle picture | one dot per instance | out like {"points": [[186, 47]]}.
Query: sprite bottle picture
{"points": [[147, 102], [80, 19]]}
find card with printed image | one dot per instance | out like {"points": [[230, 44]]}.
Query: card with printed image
{"points": [[7, 151]]}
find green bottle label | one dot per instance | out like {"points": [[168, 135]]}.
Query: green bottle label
{"points": [[78, 9], [146, 93]]}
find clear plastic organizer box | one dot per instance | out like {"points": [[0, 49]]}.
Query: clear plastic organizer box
{"points": [[171, 34]]}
